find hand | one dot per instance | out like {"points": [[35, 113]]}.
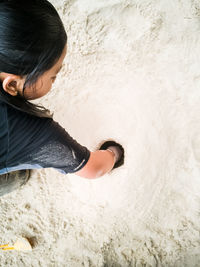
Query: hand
{"points": [[117, 151]]}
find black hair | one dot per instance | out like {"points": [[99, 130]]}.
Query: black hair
{"points": [[32, 39]]}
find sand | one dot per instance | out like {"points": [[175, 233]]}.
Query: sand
{"points": [[131, 74]]}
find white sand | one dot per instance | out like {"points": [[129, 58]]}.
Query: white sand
{"points": [[132, 74]]}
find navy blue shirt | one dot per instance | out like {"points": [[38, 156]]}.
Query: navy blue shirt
{"points": [[29, 142]]}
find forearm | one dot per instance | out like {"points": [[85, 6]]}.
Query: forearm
{"points": [[105, 162], [100, 162]]}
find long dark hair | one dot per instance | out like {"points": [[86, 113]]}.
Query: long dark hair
{"points": [[32, 39]]}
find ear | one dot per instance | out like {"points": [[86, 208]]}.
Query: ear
{"points": [[12, 84]]}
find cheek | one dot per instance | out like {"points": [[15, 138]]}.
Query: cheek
{"points": [[46, 87], [40, 89]]}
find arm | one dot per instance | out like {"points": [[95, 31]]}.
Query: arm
{"points": [[99, 163]]}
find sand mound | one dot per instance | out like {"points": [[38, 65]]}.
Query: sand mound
{"points": [[131, 74]]}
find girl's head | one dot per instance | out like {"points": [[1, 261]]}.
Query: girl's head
{"points": [[32, 49]]}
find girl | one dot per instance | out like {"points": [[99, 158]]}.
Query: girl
{"points": [[33, 45]]}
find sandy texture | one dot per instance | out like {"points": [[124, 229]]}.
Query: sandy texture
{"points": [[132, 74]]}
